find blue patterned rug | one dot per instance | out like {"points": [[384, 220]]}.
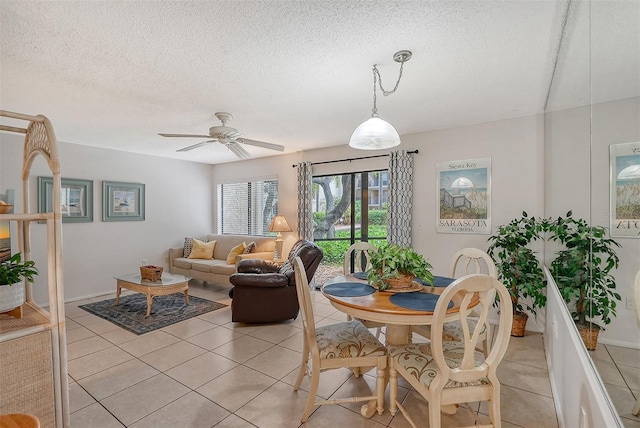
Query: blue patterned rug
{"points": [[166, 310]]}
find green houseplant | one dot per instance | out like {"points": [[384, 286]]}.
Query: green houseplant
{"points": [[12, 273], [392, 261], [519, 268], [583, 274]]}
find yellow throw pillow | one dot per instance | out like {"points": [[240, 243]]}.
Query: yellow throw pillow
{"points": [[238, 249], [202, 250]]}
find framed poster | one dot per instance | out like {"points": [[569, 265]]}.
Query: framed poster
{"points": [[122, 201], [76, 199], [464, 196], [625, 189], [5, 227]]}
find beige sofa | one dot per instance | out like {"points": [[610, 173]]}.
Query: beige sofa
{"points": [[217, 270]]}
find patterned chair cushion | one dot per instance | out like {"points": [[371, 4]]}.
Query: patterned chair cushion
{"points": [[348, 339], [418, 360], [452, 331]]}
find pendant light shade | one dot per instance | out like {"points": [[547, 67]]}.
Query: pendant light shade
{"points": [[374, 134]]}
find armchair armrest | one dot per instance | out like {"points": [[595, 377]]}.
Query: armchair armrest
{"points": [[257, 266], [263, 255], [261, 280]]}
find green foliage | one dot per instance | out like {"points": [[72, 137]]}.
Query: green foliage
{"points": [[378, 217], [318, 216], [333, 251], [583, 270], [14, 270], [518, 267], [390, 260]]}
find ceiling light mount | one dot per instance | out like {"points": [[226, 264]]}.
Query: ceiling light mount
{"points": [[375, 133]]}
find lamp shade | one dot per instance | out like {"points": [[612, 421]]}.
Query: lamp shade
{"points": [[374, 134], [279, 224]]}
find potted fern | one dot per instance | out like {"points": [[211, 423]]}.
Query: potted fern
{"points": [[393, 266], [519, 268], [13, 272], [583, 274]]}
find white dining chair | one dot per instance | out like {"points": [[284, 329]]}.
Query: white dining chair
{"points": [[348, 344], [465, 262], [360, 252], [448, 372], [636, 292]]}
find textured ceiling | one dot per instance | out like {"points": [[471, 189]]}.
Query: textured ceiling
{"points": [[297, 73]]}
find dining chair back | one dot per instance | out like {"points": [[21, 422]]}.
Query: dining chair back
{"points": [[448, 372], [359, 253], [636, 292], [343, 345]]}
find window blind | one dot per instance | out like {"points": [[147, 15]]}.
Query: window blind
{"points": [[246, 208]]}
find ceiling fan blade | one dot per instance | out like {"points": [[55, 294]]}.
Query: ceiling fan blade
{"points": [[238, 150], [195, 146], [185, 135], [256, 143]]}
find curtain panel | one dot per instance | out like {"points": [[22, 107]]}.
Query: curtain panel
{"points": [[400, 198], [305, 195]]}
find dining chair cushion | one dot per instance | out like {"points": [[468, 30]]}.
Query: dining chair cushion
{"points": [[453, 329], [418, 360], [348, 339]]}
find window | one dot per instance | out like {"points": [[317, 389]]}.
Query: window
{"points": [[246, 208]]}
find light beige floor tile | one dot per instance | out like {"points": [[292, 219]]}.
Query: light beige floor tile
{"points": [[418, 409], [144, 398], [525, 408], [330, 381], [274, 333], [278, 406], [215, 337], [337, 416], [630, 423], [74, 312], [70, 324], [200, 370], [188, 328], [601, 353], [117, 378], [233, 421], [149, 343], [324, 309], [94, 416], [275, 362], [220, 317], [79, 333], [86, 346], [247, 384], [527, 350], [191, 410], [243, 348], [172, 355], [241, 327], [631, 376], [96, 324], [96, 362], [78, 398], [294, 342], [625, 356], [522, 376], [609, 373], [119, 336], [623, 400]]}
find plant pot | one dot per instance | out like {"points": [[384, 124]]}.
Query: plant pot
{"points": [[404, 281], [11, 296], [589, 334], [519, 324]]}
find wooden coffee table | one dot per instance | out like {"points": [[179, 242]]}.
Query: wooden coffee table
{"points": [[168, 284]]}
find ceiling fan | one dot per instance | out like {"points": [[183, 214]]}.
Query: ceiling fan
{"points": [[227, 136]]}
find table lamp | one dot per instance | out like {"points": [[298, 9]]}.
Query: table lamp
{"points": [[279, 224]]}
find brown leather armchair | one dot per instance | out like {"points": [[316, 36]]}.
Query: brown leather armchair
{"points": [[265, 291]]}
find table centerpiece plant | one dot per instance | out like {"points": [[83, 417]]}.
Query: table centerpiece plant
{"points": [[396, 266], [12, 273]]}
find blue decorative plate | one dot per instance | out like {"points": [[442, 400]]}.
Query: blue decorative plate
{"points": [[416, 301], [360, 275], [348, 289], [438, 281]]}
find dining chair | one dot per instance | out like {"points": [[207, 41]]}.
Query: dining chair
{"points": [[636, 292], [360, 253], [465, 262], [449, 372], [348, 344]]}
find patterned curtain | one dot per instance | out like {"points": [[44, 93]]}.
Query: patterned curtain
{"points": [[305, 194], [400, 198]]}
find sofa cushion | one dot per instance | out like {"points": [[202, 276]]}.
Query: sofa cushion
{"points": [[182, 263], [202, 250], [223, 269], [250, 248], [235, 251], [205, 265]]}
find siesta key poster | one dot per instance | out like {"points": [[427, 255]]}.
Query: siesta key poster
{"points": [[625, 189]]}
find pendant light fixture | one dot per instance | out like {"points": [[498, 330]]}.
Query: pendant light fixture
{"points": [[375, 133]]}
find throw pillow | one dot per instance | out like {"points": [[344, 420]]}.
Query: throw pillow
{"points": [[202, 250], [188, 246], [250, 248], [237, 250]]}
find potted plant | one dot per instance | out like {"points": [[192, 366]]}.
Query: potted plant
{"points": [[583, 274], [12, 273], [396, 266], [519, 268]]}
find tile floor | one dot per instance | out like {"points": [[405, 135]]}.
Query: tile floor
{"points": [[208, 371]]}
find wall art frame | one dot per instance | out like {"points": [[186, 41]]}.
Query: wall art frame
{"points": [[464, 196], [624, 180], [76, 199], [122, 201]]}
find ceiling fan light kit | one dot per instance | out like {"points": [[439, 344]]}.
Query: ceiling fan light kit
{"points": [[227, 136], [376, 133]]}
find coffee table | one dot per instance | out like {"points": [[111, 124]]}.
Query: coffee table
{"points": [[168, 284]]}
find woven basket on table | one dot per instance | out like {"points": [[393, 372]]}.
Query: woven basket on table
{"points": [[151, 272], [404, 281]]}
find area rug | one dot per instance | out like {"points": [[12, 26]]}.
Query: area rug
{"points": [[166, 310]]}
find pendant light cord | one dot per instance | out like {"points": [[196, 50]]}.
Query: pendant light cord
{"points": [[377, 79]]}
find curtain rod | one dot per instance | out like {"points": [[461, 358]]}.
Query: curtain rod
{"points": [[352, 159]]}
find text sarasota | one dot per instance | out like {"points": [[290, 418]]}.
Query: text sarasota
{"points": [[463, 223]]}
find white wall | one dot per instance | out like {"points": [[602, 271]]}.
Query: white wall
{"points": [[179, 203]]}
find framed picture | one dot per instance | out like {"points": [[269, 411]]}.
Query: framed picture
{"points": [[5, 227], [122, 201], [464, 196], [625, 189], [76, 199]]}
